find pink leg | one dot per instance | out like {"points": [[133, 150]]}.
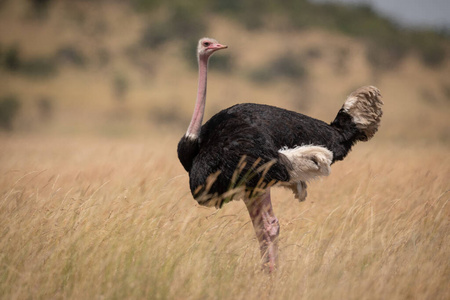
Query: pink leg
{"points": [[266, 228]]}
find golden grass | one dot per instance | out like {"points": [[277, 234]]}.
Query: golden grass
{"points": [[85, 218]]}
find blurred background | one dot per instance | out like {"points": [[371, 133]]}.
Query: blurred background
{"points": [[128, 68]]}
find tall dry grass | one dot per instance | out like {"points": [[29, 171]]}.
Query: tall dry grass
{"points": [[90, 218]]}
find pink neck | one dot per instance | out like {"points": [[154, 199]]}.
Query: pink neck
{"points": [[197, 117]]}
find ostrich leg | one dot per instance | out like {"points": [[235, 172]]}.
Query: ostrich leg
{"points": [[266, 228]]}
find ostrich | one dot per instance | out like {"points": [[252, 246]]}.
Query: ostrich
{"points": [[244, 150]]}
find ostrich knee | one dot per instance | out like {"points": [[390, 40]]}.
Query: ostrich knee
{"points": [[271, 226]]}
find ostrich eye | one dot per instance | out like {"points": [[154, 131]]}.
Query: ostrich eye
{"points": [[206, 44]]}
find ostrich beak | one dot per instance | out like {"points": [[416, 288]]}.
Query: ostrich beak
{"points": [[217, 47]]}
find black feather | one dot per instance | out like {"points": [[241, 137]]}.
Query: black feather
{"points": [[256, 133], [187, 150]]}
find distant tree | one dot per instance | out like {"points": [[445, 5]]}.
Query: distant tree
{"points": [[12, 59], [9, 107], [40, 7]]}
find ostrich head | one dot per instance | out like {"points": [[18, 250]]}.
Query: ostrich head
{"points": [[207, 46]]}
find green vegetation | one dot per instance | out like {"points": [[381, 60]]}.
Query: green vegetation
{"points": [[286, 66], [185, 20], [387, 43], [40, 7], [38, 67], [9, 107], [71, 55], [10, 60], [35, 67]]}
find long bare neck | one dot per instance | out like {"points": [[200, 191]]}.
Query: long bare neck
{"points": [[199, 110]]}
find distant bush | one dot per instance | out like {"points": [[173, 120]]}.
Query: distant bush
{"points": [[34, 67], [261, 75], [40, 7], [251, 13], [385, 56], [145, 5], [9, 107], [287, 66], [222, 63], [431, 50], [228, 6], [313, 53], [40, 4], [72, 55], [387, 42], [38, 67], [185, 22], [11, 60], [155, 35]]}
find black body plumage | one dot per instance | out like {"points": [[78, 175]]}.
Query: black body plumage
{"points": [[257, 132]]}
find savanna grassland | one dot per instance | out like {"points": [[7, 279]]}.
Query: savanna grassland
{"points": [[95, 205]]}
